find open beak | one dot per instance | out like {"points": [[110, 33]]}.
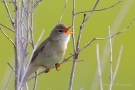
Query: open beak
{"points": [[66, 31]]}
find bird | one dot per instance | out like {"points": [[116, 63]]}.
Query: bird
{"points": [[50, 51]]}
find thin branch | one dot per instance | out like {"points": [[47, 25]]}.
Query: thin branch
{"points": [[11, 67], [100, 9], [76, 61], [7, 27], [99, 67], [9, 79], [8, 37], [63, 11], [110, 42], [32, 39], [117, 66], [65, 60], [73, 41], [31, 58], [108, 37], [35, 5], [90, 12], [35, 82], [80, 32], [31, 27], [8, 12]]}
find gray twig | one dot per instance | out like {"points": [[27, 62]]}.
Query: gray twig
{"points": [[63, 11], [30, 58], [35, 82], [76, 49], [7, 27], [9, 14], [73, 41], [99, 67], [108, 37], [9, 79], [117, 66], [110, 42], [32, 39], [100, 9], [8, 37]]}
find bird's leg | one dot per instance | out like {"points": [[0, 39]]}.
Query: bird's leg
{"points": [[57, 65], [47, 69]]}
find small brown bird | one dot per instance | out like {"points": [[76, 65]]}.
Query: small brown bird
{"points": [[50, 51]]}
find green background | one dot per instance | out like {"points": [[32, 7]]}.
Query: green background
{"points": [[46, 16]]}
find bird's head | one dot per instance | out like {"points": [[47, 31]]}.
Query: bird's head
{"points": [[61, 33]]}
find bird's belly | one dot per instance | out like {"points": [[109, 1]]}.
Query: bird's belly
{"points": [[49, 59]]}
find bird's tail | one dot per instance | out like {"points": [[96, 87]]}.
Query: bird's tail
{"points": [[32, 68]]}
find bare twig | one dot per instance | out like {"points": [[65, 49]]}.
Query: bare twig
{"points": [[63, 11], [35, 82], [76, 49], [100, 9], [35, 5], [11, 67], [110, 42], [31, 27], [32, 39], [7, 27], [80, 32], [31, 58], [73, 40], [8, 37], [99, 67], [90, 13], [76, 61], [108, 37], [9, 14], [9, 79], [6, 88], [117, 66]]}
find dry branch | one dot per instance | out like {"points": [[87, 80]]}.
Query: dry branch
{"points": [[7, 37], [100, 9]]}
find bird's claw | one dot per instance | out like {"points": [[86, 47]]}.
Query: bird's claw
{"points": [[57, 65], [47, 70]]}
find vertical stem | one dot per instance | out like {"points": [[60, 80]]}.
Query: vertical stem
{"points": [[74, 58], [99, 67], [110, 42]]}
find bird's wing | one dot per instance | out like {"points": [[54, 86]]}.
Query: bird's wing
{"points": [[39, 49]]}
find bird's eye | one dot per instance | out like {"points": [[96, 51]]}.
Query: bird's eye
{"points": [[60, 30]]}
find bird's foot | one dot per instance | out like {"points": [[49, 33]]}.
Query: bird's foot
{"points": [[57, 65], [47, 70]]}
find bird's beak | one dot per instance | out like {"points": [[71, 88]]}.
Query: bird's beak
{"points": [[66, 31]]}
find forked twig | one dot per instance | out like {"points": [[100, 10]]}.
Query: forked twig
{"points": [[9, 14], [9, 79], [30, 59], [108, 37], [99, 9], [35, 81], [8, 37], [117, 66]]}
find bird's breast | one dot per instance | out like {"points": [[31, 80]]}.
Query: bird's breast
{"points": [[51, 55]]}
